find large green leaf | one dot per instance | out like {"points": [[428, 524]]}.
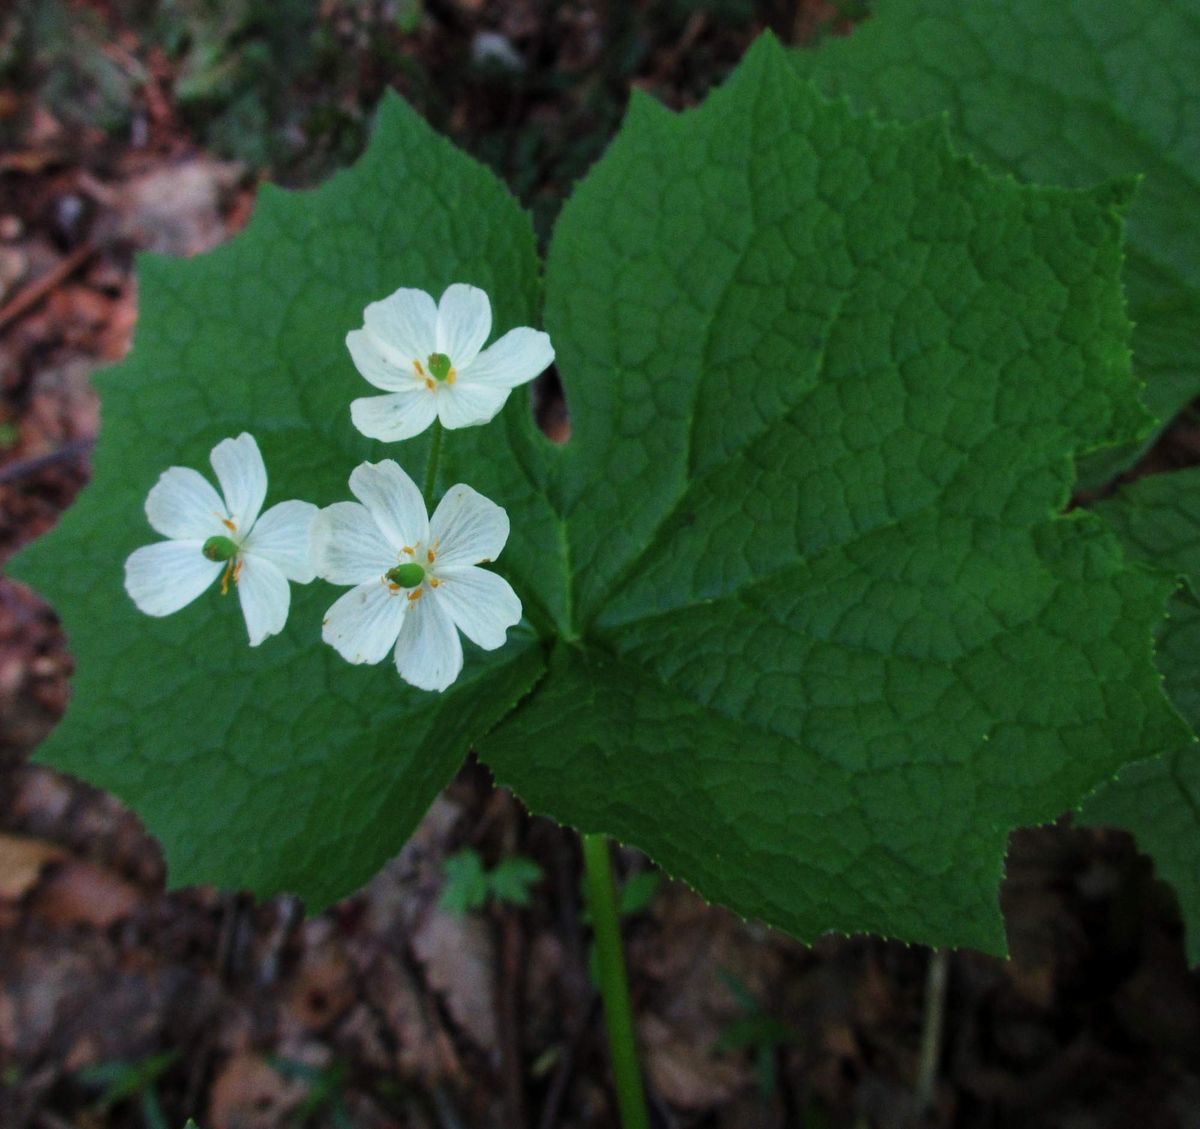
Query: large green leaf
{"points": [[1063, 93], [806, 622], [1158, 518], [830, 638], [279, 767]]}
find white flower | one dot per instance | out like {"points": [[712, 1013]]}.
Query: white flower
{"points": [[415, 581], [427, 358], [213, 536]]}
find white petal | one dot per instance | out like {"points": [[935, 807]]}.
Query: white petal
{"points": [[183, 505], [482, 605], [347, 547], [265, 597], [399, 415], [281, 535], [403, 326], [393, 500], [428, 652], [166, 576], [374, 367], [243, 478], [464, 320], [519, 356], [466, 405], [364, 623], [467, 528]]}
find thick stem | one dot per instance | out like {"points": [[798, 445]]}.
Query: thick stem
{"points": [[431, 468], [614, 987]]}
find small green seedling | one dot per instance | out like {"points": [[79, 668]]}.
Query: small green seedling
{"points": [[409, 14], [755, 1031], [469, 885], [633, 896], [123, 1081], [326, 1091]]}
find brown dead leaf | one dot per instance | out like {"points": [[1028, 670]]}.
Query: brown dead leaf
{"points": [[394, 1031], [249, 1094], [322, 988], [14, 264], [81, 893], [41, 795], [177, 210], [685, 1070], [458, 955], [113, 338], [21, 863]]}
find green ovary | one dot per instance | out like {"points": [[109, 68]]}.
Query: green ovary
{"points": [[220, 549], [439, 366], [406, 575]]}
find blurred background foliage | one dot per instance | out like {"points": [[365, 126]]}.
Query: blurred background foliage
{"points": [[534, 88]]}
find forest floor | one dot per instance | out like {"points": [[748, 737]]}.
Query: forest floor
{"points": [[122, 1005]]}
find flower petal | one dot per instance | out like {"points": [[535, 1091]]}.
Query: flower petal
{"points": [[243, 477], [364, 623], [264, 595], [168, 575], [347, 547], [393, 500], [183, 505], [467, 528], [466, 405], [428, 652], [403, 326], [281, 536], [464, 320], [374, 367], [482, 605], [399, 415], [519, 356]]}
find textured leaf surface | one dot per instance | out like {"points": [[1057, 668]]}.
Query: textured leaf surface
{"points": [[829, 641], [1159, 800], [278, 767], [1063, 93], [807, 626]]}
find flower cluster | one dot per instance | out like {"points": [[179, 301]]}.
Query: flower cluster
{"points": [[415, 580]]}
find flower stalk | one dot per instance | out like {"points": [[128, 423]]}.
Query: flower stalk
{"points": [[614, 985], [435, 453]]}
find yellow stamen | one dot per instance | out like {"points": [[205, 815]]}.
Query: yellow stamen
{"points": [[434, 582], [228, 525], [430, 555], [415, 594], [226, 575], [406, 549], [430, 383], [451, 376], [418, 366]]}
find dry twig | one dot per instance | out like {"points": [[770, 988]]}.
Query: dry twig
{"points": [[39, 288]]}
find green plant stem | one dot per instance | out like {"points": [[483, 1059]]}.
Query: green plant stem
{"points": [[931, 1030], [614, 986], [431, 468]]}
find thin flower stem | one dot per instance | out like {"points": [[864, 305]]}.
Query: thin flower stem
{"points": [[431, 468], [931, 1029], [614, 987]]}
